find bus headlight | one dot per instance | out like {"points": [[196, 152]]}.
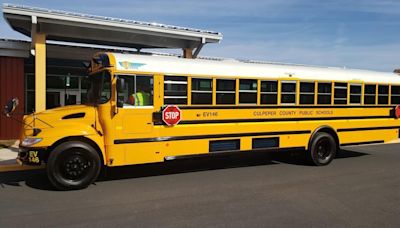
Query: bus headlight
{"points": [[30, 141]]}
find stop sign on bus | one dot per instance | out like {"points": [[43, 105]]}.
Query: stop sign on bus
{"points": [[171, 115]]}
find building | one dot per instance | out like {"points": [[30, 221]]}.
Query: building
{"points": [[49, 72]]}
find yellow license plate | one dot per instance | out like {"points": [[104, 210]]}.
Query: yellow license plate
{"points": [[33, 157]]}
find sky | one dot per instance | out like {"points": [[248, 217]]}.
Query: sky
{"points": [[363, 34]]}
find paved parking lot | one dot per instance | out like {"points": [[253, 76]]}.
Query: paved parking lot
{"points": [[8, 152], [360, 188]]}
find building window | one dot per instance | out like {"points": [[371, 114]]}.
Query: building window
{"points": [[355, 94], [201, 91], [175, 90], [369, 94], [288, 92], [383, 94], [340, 93], [247, 91], [30, 101], [395, 95], [226, 91], [324, 93], [61, 90], [307, 90], [269, 92]]}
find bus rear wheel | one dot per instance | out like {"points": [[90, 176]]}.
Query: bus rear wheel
{"points": [[322, 149], [73, 165]]}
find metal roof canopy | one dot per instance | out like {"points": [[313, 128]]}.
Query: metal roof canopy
{"points": [[62, 50], [82, 28]]}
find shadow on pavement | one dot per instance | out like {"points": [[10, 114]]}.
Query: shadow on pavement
{"points": [[37, 178], [188, 165], [299, 157], [349, 154], [33, 178]]}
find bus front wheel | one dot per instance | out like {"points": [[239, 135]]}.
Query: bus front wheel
{"points": [[322, 149], [73, 165]]}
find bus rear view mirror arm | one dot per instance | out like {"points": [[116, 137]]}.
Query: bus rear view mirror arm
{"points": [[120, 103]]}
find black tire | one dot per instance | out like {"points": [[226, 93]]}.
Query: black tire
{"points": [[73, 165], [322, 149]]}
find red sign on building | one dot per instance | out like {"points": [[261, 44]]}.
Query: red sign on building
{"points": [[171, 115]]}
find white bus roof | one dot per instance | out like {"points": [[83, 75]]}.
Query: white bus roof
{"points": [[245, 69]]}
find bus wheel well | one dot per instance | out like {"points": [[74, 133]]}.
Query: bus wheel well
{"points": [[328, 130], [75, 138]]}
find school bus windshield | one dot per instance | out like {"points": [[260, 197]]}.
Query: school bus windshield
{"points": [[100, 88]]}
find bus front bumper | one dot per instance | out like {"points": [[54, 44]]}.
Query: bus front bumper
{"points": [[31, 156]]}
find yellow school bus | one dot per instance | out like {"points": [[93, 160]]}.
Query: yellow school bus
{"points": [[147, 109]]}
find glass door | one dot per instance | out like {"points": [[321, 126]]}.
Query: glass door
{"points": [[53, 99], [71, 98], [57, 98], [61, 90]]}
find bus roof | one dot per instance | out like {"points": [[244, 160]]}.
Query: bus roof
{"points": [[245, 69]]}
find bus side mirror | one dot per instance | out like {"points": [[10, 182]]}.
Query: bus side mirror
{"points": [[120, 89], [11, 106], [120, 84]]}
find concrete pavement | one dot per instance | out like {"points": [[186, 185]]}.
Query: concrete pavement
{"points": [[8, 153]]}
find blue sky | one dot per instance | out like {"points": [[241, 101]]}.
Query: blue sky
{"points": [[355, 34]]}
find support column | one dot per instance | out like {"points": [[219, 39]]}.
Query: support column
{"points": [[40, 71], [188, 53]]}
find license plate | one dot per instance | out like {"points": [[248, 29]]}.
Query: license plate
{"points": [[33, 157]]}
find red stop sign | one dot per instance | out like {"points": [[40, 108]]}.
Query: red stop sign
{"points": [[397, 111], [171, 115]]}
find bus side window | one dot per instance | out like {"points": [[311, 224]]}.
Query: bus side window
{"points": [[307, 92], [355, 94], [288, 92], [201, 91], [138, 91], [226, 91], [269, 92], [395, 95], [144, 91], [369, 94], [383, 94], [175, 90], [247, 91], [324, 93], [124, 94], [340, 93]]}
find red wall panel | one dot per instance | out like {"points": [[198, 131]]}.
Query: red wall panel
{"points": [[11, 85]]}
